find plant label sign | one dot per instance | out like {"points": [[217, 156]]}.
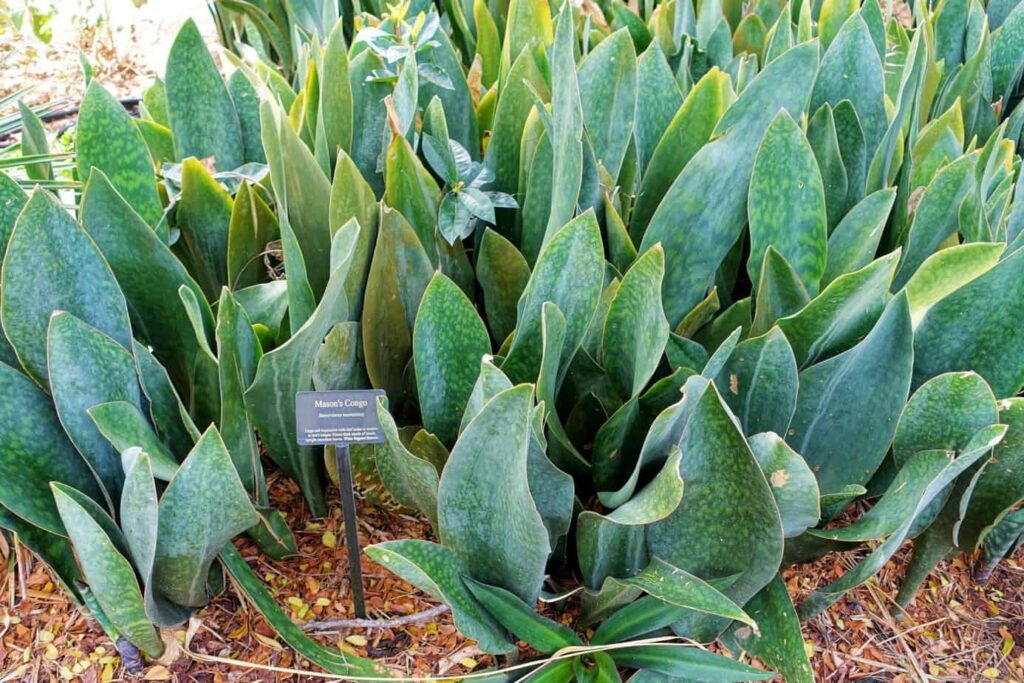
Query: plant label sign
{"points": [[328, 418]]}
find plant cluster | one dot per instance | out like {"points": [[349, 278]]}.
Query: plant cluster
{"points": [[659, 296]]}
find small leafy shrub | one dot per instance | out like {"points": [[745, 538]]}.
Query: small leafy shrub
{"points": [[659, 299]]}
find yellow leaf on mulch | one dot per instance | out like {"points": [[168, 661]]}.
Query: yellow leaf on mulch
{"points": [[158, 673], [358, 641]]}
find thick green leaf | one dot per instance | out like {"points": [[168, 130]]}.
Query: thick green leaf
{"points": [[1008, 54], [302, 191], [88, 368], [253, 225], [946, 271], [780, 643], [125, 426], [503, 274], [52, 265], [410, 479], [335, 105], [339, 362], [657, 101], [542, 634], [848, 405], [515, 102], [688, 131], [974, 328], [853, 243], [203, 508], [202, 115], [929, 473], [569, 273], [936, 217], [169, 416], [204, 217], [449, 339], [943, 414], [722, 169], [852, 70], [999, 486], [247, 106], [566, 128], [150, 276], [792, 482], [842, 314], [636, 330], [759, 383], [607, 88], [439, 571], [368, 117], [718, 465], [35, 451], [329, 659], [107, 139], [34, 144], [239, 354], [410, 189], [672, 585], [489, 383], [352, 197], [688, 663], [780, 292], [289, 368], [786, 204], [110, 576], [486, 514], [399, 273], [821, 134]]}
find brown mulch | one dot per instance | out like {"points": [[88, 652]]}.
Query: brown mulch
{"points": [[956, 630]]}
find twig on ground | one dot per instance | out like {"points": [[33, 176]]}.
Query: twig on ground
{"points": [[337, 624]]}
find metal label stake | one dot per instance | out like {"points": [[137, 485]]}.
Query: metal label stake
{"points": [[340, 419]]}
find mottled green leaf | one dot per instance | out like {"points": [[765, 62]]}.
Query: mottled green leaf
{"points": [[204, 218], [853, 242], [399, 273], [792, 482], [352, 197], [542, 634], [999, 486], [848, 405], [302, 191], [125, 426], [842, 314], [503, 273], [515, 101], [686, 133], [852, 70], [202, 116], [759, 383], [88, 368], [786, 204], [718, 466], [253, 225], [780, 643], [52, 265], [607, 87], [635, 331], [110, 576], [107, 139], [412, 480], [569, 273], [289, 368], [722, 169], [439, 571], [974, 328], [780, 292], [688, 663], [34, 451], [150, 276], [657, 101], [486, 514], [203, 508]]}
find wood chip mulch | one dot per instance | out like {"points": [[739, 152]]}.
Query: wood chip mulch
{"points": [[955, 630]]}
